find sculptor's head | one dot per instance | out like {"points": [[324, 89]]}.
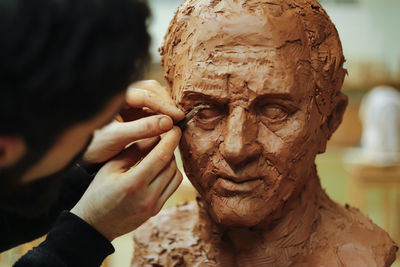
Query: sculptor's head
{"points": [[271, 72]]}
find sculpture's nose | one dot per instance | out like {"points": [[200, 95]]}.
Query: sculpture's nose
{"points": [[239, 140]]}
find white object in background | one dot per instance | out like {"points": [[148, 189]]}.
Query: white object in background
{"points": [[380, 115]]}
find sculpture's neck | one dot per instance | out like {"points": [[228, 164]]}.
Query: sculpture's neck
{"points": [[283, 238]]}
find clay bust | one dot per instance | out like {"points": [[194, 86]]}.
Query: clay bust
{"points": [[271, 72]]}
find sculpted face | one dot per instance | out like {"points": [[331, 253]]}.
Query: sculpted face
{"points": [[256, 144]]}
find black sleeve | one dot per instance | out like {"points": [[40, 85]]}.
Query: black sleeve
{"points": [[16, 230], [71, 242]]}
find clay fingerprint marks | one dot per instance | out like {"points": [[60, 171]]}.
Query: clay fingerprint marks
{"points": [[213, 3], [172, 41], [355, 255], [319, 34], [326, 55], [271, 7]]}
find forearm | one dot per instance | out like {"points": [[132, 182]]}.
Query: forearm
{"points": [[71, 242], [16, 229]]}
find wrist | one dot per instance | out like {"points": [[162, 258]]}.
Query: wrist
{"points": [[102, 229], [88, 242]]}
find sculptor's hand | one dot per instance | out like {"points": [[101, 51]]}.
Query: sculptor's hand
{"points": [[126, 191], [137, 121]]}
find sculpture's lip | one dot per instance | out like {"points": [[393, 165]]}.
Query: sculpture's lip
{"points": [[238, 180], [228, 187]]}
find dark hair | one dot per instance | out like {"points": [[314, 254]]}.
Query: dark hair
{"points": [[61, 61]]}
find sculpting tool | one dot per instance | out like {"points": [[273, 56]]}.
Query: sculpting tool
{"points": [[182, 124]]}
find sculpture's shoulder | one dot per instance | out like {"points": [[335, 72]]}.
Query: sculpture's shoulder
{"points": [[347, 237], [168, 239], [170, 223]]}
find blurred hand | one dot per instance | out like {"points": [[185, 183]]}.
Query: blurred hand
{"points": [[128, 190], [149, 111]]}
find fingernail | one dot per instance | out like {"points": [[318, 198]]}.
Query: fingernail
{"points": [[165, 123]]}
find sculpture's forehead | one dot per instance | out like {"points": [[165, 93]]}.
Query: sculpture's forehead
{"points": [[240, 72], [265, 54], [244, 28]]}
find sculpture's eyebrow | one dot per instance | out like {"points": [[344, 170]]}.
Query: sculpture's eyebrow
{"points": [[275, 96], [220, 97], [207, 96]]}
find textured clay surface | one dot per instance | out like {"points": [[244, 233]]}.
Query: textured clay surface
{"points": [[270, 72]]}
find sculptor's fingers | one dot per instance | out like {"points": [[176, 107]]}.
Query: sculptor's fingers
{"points": [[139, 98], [147, 144], [127, 159], [153, 86], [158, 158], [131, 114], [158, 185], [128, 132], [169, 190]]}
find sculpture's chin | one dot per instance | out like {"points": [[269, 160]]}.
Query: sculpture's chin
{"points": [[238, 212]]}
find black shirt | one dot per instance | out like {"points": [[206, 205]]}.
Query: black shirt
{"points": [[70, 242]]}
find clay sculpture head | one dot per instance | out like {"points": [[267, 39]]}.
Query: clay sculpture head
{"points": [[272, 72]]}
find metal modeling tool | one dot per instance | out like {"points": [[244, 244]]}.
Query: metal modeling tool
{"points": [[182, 124]]}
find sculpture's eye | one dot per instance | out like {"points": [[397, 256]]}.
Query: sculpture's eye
{"points": [[208, 113], [208, 118], [274, 113]]}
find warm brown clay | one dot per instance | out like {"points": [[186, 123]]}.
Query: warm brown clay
{"points": [[271, 72]]}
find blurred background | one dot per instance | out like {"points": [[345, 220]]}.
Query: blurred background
{"points": [[369, 30]]}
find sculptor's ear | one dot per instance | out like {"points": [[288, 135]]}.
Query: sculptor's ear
{"points": [[333, 120], [11, 150]]}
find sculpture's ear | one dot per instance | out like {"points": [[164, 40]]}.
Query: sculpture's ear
{"points": [[333, 121], [336, 117], [11, 150]]}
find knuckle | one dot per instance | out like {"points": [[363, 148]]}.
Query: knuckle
{"points": [[148, 94], [136, 97], [157, 210], [148, 204], [144, 84], [144, 207], [152, 83], [130, 91], [136, 186], [179, 176], [163, 157], [140, 101]]}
